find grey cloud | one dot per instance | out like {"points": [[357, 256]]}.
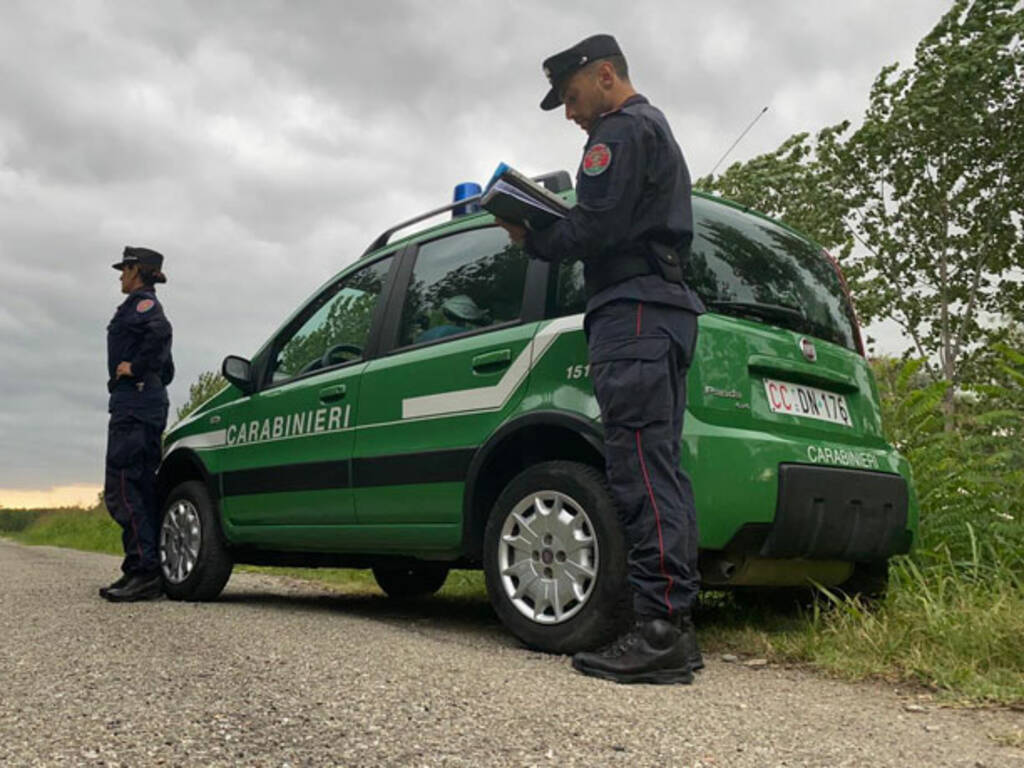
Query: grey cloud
{"points": [[262, 145]]}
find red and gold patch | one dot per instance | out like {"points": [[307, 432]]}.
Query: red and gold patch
{"points": [[145, 305], [597, 160]]}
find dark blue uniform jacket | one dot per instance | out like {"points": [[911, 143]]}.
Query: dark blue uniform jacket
{"points": [[636, 194], [140, 334]]}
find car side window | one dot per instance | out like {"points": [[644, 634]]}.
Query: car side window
{"points": [[463, 283], [566, 295], [334, 328]]}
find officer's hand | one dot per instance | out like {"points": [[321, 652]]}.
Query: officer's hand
{"points": [[516, 233], [124, 368]]}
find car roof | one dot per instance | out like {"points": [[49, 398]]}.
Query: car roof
{"points": [[468, 221]]}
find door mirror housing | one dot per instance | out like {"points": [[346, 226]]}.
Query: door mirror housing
{"points": [[238, 371]]}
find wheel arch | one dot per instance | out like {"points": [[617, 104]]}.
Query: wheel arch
{"points": [[522, 442], [179, 467]]}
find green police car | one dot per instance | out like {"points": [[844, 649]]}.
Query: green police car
{"points": [[429, 408]]}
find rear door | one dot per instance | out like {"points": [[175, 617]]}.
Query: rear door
{"points": [[778, 376], [458, 369], [780, 343]]}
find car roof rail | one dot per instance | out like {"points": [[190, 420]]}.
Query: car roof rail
{"points": [[385, 236], [556, 181]]}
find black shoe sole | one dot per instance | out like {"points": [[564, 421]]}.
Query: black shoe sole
{"points": [[149, 594], [654, 677], [697, 663], [104, 591]]}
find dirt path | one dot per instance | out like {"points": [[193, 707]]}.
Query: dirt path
{"points": [[284, 673]]}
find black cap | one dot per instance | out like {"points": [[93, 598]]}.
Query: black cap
{"points": [[144, 257], [557, 68]]}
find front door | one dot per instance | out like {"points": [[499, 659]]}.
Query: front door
{"points": [[286, 476]]}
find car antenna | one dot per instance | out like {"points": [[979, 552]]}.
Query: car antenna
{"points": [[740, 138]]}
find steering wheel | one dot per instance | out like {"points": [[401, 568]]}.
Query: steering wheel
{"points": [[328, 359]]}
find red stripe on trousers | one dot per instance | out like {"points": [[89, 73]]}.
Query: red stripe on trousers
{"points": [[650, 491]]}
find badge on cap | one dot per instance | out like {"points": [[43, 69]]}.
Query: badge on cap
{"points": [[144, 306], [597, 160]]}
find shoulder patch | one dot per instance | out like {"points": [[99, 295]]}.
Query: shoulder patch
{"points": [[597, 160], [145, 305]]}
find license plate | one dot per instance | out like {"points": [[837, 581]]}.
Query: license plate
{"points": [[807, 402]]}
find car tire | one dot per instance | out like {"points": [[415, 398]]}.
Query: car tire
{"points": [[555, 559], [194, 559], [408, 582]]}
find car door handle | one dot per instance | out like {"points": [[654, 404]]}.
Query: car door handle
{"points": [[330, 394], [489, 362]]}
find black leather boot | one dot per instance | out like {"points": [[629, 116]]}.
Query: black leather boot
{"points": [[693, 655], [116, 585], [653, 651], [140, 586]]}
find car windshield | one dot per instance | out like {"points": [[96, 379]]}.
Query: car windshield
{"points": [[749, 267]]}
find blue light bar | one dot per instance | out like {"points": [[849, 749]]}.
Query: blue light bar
{"points": [[462, 191]]}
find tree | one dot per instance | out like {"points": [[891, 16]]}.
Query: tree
{"points": [[934, 178], [931, 187], [796, 184], [206, 386]]}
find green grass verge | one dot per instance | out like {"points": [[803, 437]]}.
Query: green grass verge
{"points": [[91, 529], [951, 625], [17, 520]]}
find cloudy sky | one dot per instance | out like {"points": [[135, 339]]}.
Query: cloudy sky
{"points": [[261, 145]]}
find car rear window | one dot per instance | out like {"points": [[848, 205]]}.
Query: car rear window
{"points": [[747, 266]]}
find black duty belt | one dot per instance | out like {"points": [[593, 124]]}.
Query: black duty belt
{"points": [[648, 259], [139, 383]]}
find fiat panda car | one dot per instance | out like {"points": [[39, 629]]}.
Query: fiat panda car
{"points": [[430, 408]]}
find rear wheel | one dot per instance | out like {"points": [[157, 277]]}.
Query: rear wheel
{"points": [[869, 581], [555, 558], [411, 581], [194, 560]]}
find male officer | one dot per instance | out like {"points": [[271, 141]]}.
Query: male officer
{"points": [[140, 367], [632, 227]]}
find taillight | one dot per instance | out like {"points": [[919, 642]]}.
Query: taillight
{"points": [[849, 302]]}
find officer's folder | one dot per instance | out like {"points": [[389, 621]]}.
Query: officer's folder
{"points": [[512, 196]]}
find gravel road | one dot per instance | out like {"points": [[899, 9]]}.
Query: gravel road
{"points": [[280, 672]]}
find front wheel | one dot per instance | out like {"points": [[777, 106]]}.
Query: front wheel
{"points": [[555, 558], [194, 560]]}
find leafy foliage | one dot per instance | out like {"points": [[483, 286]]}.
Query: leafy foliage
{"points": [[796, 183], [972, 475], [924, 202], [934, 179], [202, 389]]}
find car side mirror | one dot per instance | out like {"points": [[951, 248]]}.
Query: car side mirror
{"points": [[238, 371]]}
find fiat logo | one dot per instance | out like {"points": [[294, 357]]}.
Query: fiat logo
{"points": [[807, 347]]}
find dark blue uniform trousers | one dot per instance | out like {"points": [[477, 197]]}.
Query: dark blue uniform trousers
{"points": [[639, 356], [133, 456]]}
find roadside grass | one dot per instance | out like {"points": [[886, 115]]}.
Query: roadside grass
{"points": [[16, 520], [461, 584], [949, 623], [956, 626], [88, 529]]}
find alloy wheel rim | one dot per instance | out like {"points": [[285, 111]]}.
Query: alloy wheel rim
{"points": [[548, 557], [180, 539]]}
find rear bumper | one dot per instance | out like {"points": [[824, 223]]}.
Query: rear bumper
{"points": [[829, 513]]}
